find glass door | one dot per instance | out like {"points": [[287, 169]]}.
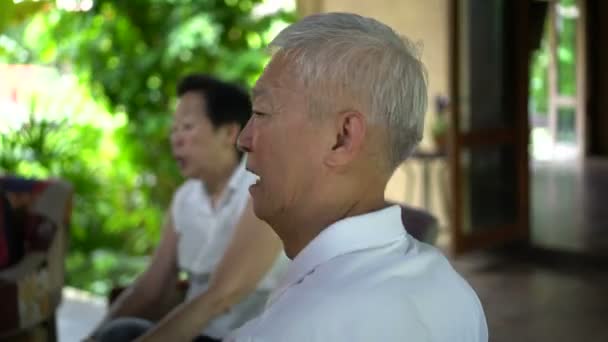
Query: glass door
{"points": [[488, 130]]}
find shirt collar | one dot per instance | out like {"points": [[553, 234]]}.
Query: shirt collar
{"points": [[351, 234], [239, 179], [238, 175]]}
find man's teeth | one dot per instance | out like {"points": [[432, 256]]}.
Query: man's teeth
{"points": [[257, 179]]}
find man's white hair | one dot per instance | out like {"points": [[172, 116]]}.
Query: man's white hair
{"points": [[345, 59]]}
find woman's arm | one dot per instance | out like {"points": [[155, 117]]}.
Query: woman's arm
{"points": [[156, 283], [249, 256]]}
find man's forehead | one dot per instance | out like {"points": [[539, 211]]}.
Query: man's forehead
{"points": [[276, 96], [278, 76], [261, 95], [266, 89]]}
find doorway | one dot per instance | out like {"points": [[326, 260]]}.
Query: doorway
{"points": [[568, 182], [557, 79], [488, 157]]}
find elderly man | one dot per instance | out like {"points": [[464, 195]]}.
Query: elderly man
{"points": [[338, 108]]}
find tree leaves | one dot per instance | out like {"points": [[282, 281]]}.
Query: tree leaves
{"points": [[130, 55]]}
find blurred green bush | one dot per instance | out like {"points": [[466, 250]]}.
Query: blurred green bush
{"points": [[128, 56]]}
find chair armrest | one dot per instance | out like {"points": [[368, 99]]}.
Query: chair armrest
{"points": [[27, 294]]}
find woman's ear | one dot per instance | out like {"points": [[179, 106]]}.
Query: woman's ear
{"points": [[350, 131], [230, 133]]}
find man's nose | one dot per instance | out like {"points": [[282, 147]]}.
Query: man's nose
{"points": [[245, 140]]}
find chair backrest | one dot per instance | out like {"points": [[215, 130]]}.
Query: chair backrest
{"points": [[420, 224], [11, 241], [39, 207], [30, 290]]}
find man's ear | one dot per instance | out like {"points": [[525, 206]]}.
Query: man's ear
{"points": [[350, 132]]}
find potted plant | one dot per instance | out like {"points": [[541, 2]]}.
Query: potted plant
{"points": [[441, 123]]}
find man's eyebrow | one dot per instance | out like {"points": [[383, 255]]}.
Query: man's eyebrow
{"points": [[263, 97]]}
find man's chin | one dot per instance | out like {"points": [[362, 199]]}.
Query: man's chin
{"points": [[259, 211]]}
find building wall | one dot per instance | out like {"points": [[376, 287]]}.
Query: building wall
{"points": [[602, 77], [424, 22], [427, 23]]}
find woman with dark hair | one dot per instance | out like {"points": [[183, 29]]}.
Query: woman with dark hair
{"points": [[232, 259]]}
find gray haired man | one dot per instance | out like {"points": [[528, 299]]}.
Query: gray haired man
{"points": [[338, 108]]}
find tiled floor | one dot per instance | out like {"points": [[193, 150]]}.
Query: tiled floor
{"points": [[569, 206], [534, 296], [78, 315]]}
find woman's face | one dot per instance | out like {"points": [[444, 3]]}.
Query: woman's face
{"points": [[195, 142]]}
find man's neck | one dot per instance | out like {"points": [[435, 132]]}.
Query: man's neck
{"points": [[298, 231]]}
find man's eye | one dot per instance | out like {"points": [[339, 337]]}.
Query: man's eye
{"points": [[256, 113]]}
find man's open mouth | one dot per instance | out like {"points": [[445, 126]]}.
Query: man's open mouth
{"points": [[258, 179]]}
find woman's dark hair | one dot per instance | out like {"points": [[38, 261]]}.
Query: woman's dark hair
{"points": [[226, 103]]}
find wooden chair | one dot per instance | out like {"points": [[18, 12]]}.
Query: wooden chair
{"points": [[420, 224], [30, 286]]}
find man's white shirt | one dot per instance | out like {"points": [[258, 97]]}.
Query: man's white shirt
{"points": [[364, 279]]}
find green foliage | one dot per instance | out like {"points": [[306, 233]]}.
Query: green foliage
{"points": [[566, 56], [566, 63], [14, 13], [539, 81], [130, 56], [109, 211]]}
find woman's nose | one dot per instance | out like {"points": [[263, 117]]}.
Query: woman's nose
{"points": [[177, 140]]}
